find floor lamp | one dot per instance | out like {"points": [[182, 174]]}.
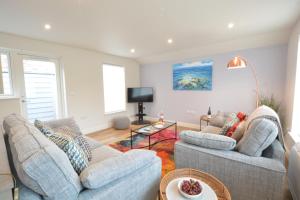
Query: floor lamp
{"points": [[239, 62]]}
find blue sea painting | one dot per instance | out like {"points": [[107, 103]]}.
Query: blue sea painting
{"points": [[193, 76]]}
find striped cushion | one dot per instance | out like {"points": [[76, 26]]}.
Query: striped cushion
{"points": [[74, 152]]}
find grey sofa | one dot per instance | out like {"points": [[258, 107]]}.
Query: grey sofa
{"points": [[293, 172], [246, 177], [44, 171]]}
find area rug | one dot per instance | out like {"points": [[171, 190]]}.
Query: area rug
{"points": [[164, 149]]}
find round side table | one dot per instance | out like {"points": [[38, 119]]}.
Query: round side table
{"points": [[217, 186]]}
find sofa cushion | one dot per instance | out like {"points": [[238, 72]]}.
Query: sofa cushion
{"points": [[230, 121], [219, 119], [65, 130], [79, 139], [39, 163], [112, 169], [74, 152], [104, 152], [93, 143], [239, 131], [208, 140], [66, 122], [260, 134], [211, 129]]}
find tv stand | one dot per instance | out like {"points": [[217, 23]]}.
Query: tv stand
{"points": [[140, 115]]}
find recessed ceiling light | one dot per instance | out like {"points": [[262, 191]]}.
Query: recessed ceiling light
{"points": [[170, 41], [132, 50], [47, 26], [230, 25]]}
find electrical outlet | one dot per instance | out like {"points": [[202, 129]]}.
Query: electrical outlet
{"points": [[192, 112]]}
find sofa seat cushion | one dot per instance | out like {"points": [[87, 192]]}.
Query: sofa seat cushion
{"points": [[93, 143], [208, 140], [212, 129], [104, 152], [109, 170], [260, 134], [40, 164]]}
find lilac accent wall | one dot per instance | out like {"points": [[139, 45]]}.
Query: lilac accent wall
{"points": [[232, 90]]}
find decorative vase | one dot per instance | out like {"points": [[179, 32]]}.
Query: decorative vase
{"points": [[209, 112]]}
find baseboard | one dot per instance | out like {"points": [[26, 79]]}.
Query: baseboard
{"points": [[96, 128], [101, 127], [132, 118]]}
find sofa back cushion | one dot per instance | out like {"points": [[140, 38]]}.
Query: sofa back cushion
{"points": [[260, 134], [40, 164], [219, 119]]}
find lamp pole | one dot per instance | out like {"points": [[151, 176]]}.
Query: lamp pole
{"points": [[256, 84]]}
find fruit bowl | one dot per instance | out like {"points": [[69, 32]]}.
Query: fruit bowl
{"points": [[190, 188]]}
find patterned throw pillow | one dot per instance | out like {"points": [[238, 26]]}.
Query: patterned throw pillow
{"points": [[74, 152], [230, 121], [79, 139]]}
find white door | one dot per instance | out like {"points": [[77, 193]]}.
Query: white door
{"points": [[42, 91]]}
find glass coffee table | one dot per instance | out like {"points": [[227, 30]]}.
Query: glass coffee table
{"points": [[151, 130]]}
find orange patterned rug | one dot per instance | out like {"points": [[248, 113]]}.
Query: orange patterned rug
{"points": [[164, 149]]}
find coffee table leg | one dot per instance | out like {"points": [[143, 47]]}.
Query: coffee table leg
{"points": [[176, 130], [131, 139], [149, 142]]}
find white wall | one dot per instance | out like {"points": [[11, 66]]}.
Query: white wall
{"points": [[83, 78], [233, 90]]}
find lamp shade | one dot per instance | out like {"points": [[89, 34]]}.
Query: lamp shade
{"points": [[237, 62]]}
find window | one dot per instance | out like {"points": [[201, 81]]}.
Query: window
{"points": [[41, 89], [114, 88], [5, 80], [296, 108]]}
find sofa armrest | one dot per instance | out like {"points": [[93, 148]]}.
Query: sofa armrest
{"points": [[6, 179], [208, 140], [109, 170]]}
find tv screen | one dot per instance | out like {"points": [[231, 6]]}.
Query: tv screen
{"points": [[142, 94]]}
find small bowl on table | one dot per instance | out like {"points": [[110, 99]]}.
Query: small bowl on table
{"points": [[190, 188]]}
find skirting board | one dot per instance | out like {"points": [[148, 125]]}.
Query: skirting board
{"points": [[101, 127]]}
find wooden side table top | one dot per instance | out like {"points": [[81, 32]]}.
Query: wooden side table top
{"points": [[205, 118], [219, 188]]}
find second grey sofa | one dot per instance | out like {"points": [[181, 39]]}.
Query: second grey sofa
{"points": [[246, 177]]}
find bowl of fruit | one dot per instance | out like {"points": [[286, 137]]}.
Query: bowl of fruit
{"points": [[190, 188]]}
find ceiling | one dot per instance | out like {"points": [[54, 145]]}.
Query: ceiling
{"points": [[116, 26]]}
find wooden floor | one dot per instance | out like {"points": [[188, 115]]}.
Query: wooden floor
{"points": [[111, 135]]}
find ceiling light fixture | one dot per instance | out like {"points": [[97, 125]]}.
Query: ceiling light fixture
{"points": [[230, 25], [47, 26], [132, 50], [170, 41]]}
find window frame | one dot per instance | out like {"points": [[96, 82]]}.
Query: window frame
{"points": [[9, 57], [125, 102], [294, 132]]}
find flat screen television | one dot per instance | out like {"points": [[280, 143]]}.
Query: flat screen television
{"points": [[139, 95]]}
